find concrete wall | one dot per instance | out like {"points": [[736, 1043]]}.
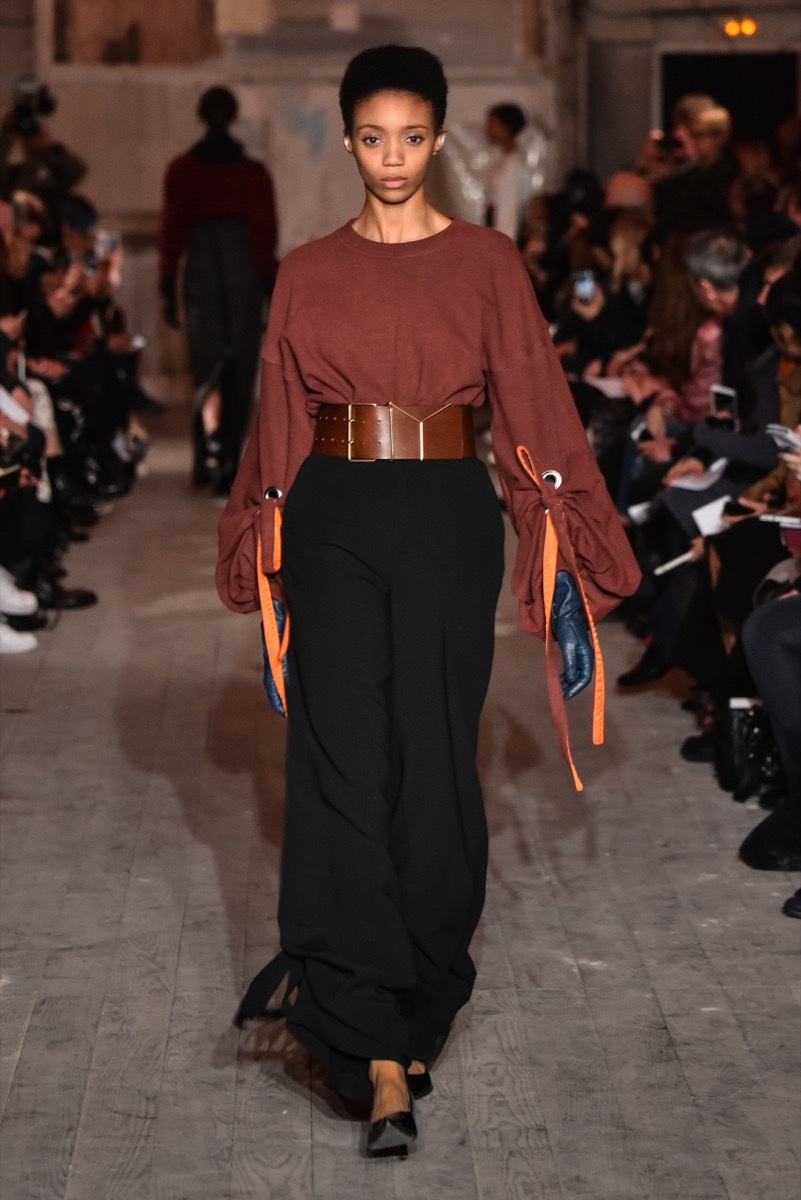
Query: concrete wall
{"points": [[17, 43], [619, 102], [114, 31]]}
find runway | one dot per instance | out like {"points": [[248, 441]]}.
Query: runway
{"points": [[635, 1030]]}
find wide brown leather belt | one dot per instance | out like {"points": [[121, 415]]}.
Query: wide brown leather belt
{"points": [[372, 432]]}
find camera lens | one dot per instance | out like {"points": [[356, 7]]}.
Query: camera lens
{"points": [[23, 120]]}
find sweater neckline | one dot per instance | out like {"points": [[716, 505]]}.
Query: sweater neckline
{"points": [[419, 246]]}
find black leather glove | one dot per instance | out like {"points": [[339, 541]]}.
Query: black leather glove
{"points": [[169, 301], [273, 695], [572, 633]]}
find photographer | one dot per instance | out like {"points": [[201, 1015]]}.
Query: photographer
{"points": [[609, 293], [697, 189], [49, 169]]}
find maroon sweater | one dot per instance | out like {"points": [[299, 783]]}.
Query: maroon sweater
{"points": [[450, 318], [198, 189]]}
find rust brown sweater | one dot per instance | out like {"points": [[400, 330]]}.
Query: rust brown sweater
{"points": [[451, 317]]}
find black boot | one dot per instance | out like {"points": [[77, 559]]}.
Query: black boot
{"points": [[647, 670], [775, 844]]}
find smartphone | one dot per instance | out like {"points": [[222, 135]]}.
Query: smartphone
{"points": [[9, 477], [106, 243], [584, 285], [724, 399], [733, 508], [640, 432], [667, 143]]}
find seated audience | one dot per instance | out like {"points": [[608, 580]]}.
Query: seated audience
{"points": [[70, 399]]}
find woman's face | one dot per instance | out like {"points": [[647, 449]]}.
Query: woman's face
{"points": [[393, 140]]}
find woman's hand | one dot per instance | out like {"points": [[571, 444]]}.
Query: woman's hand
{"points": [[621, 358], [757, 507], [565, 349], [793, 460], [61, 302], [12, 325], [659, 450], [51, 368], [571, 632], [637, 380], [685, 468]]}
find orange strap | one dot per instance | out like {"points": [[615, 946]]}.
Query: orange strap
{"points": [[276, 646], [550, 559]]}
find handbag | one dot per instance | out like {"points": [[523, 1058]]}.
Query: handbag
{"points": [[746, 757]]}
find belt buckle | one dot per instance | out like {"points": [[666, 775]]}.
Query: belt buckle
{"points": [[421, 425], [420, 430], [350, 437]]}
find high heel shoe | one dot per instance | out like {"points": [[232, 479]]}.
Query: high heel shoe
{"points": [[397, 1132], [419, 1085]]}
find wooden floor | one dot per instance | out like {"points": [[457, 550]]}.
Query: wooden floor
{"points": [[635, 1029]]}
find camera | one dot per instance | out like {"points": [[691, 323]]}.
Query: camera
{"points": [[32, 100], [667, 143], [20, 454]]}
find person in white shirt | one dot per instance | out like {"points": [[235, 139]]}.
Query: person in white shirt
{"points": [[508, 189]]}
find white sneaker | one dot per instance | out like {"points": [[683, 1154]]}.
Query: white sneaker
{"points": [[13, 600], [12, 641]]}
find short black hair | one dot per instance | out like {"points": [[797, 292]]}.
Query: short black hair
{"points": [[783, 301], [394, 69], [79, 213], [218, 107], [511, 116]]}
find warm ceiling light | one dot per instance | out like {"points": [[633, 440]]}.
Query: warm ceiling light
{"points": [[748, 26], [732, 28]]}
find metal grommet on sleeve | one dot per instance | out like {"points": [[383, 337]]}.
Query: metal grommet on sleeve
{"points": [[553, 477], [273, 493]]}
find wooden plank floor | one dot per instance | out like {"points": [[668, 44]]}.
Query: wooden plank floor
{"points": [[635, 1030]]}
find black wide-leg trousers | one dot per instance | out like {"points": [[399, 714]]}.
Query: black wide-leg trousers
{"points": [[392, 572]]}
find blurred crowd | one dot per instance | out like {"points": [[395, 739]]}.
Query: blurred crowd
{"points": [[71, 435], [674, 296]]}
